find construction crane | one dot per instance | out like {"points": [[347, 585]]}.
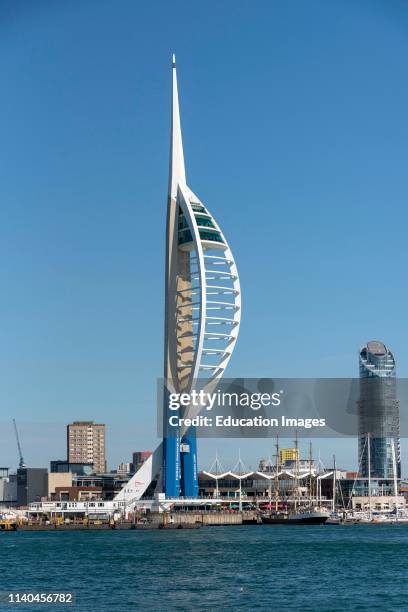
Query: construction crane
{"points": [[21, 462]]}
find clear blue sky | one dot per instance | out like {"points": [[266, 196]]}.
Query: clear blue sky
{"points": [[294, 117]]}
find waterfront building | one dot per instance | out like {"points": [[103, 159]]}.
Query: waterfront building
{"points": [[258, 486], [8, 487], [267, 465], [202, 317], [86, 444], [288, 455], [4, 479], [62, 466], [58, 480], [96, 509], [125, 468], [110, 484], [75, 487], [73, 494], [378, 413], [286, 488], [32, 485], [351, 489], [138, 459]]}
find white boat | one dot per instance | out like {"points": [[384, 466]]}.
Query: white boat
{"points": [[315, 516]]}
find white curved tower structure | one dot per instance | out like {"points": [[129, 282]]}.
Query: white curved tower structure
{"points": [[202, 316]]}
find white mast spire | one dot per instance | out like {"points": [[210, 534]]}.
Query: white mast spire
{"points": [[177, 174], [186, 358]]}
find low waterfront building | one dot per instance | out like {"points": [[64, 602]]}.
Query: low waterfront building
{"points": [[70, 509], [82, 469], [379, 503], [125, 468], [32, 485], [110, 484], [403, 489], [289, 485], [138, 459], [288, 462], [288, 454], [259, 486], [8, 487], [71, 493], [109, 509], [350, 488], [58, 480]]}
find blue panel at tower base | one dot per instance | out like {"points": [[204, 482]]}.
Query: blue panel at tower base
{"points": [[171, 466], [171, 454], [189, 472]]}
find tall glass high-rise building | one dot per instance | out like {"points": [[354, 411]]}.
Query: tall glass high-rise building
{"points": [[378, 412]]}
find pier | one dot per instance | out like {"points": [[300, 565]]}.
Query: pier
{"points": [[155, 520]]}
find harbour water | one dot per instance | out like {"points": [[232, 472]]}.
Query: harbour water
{"points": [[325, 568]]}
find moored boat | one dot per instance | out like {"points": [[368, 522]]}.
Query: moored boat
{"points": [[315, 516]]}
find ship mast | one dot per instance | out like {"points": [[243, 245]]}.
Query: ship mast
{"points": [[310, 474], [277, 474], [369, 476], [394, 471], [296, 469]]}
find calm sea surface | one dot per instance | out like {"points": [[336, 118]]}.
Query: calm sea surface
{"points": [[325, 568]]}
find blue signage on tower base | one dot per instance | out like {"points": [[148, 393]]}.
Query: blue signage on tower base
{"points": [[171, 466], [189, 473]]}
